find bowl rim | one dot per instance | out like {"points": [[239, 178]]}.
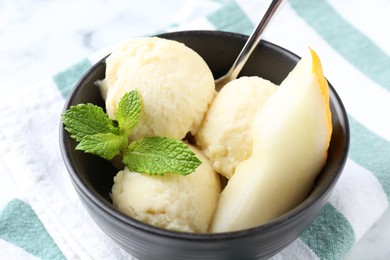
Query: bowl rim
{"points": [[109, 209]]}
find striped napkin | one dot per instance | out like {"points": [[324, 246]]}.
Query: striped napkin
{"points": [[47, 221]]}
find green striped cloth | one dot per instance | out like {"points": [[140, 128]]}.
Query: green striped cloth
{"points": [[47, 221]]}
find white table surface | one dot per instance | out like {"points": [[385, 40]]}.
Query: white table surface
{"points": [[40, 38]]}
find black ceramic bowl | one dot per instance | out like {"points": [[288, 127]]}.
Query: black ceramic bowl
{"points": [[93, 177]]}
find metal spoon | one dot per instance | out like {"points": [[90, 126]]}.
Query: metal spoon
{"points": [[249, 46]]}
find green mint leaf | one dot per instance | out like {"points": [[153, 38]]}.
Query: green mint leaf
{"points": [[105, 145], [129, 111], [160, 155], [87, 119]]}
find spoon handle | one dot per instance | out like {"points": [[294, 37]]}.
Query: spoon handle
{"points": [[252, 41]]}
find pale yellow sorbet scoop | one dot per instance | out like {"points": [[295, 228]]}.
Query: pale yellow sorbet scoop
{"points": [[173, 201], [225, 134], [175, 83]]}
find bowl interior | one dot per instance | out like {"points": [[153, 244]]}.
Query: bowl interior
{"points": [[94, 176]]}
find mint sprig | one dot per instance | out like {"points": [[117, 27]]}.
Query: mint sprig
{"points": [[96, 133]]}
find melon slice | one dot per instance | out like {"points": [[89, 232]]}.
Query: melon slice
{"points": [[291, 137]]}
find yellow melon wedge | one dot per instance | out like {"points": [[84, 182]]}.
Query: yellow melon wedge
{"points": [[291, 137]]}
